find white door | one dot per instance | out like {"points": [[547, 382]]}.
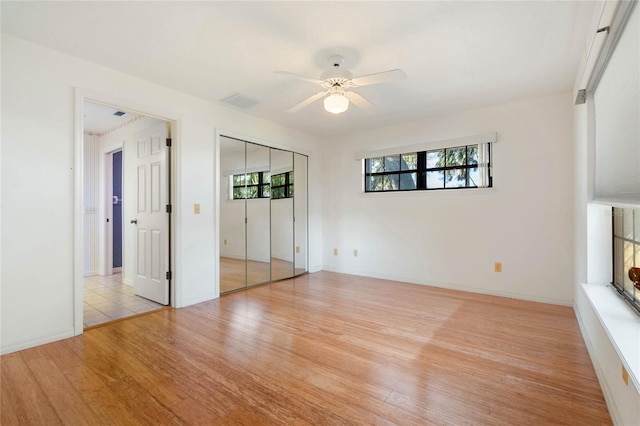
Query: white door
{"points": [[152, 220]]}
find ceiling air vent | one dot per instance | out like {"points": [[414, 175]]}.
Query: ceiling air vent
{"points": [[119, 113], [239, 101]]}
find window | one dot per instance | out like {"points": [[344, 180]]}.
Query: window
{"points": [[626, 252], [447, 168], [251, 185], [282, 185], [262, 185]]}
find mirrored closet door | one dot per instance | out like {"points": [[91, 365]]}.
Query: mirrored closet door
{"points": [[263, 214]]}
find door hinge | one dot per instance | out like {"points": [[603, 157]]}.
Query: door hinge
{"points": [[168, 141], [168, 208], [168, 275]]}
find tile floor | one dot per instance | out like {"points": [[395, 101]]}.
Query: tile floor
{"points": [[107, 299]]}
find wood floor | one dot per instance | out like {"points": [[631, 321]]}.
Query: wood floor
{"points": [[321, 349]]}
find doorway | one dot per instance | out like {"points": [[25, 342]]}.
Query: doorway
{"points": [[126, 246]]}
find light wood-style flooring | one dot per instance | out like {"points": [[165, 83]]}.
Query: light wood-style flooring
{"points": [[320, 349]]}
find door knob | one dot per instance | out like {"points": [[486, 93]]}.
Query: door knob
{"points": [[134, 221]]}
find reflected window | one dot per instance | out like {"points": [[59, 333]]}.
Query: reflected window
{"points": [[626, 252], [282, 185], [251, 185]]}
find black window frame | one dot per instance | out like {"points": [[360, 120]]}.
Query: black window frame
{"points": [[421, 170]]}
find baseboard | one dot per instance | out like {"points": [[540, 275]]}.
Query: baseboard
{"points": [[449, 286], [36, 341], [127, 281], [91, 273], [195, 300]]}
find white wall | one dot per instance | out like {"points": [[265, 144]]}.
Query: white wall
{"points": [[452, 238], [38, 132], [592, 248]]}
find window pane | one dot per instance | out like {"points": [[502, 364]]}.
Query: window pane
{"points": [[374, 183], [628, 263], [435, 159], [618, 264], [253, 178], [277, 180], [617, 221], [472, 154], [392, 163], [266, 191], [290, 191], [455, 178], [409, 161], [252, 191], [238, 193], [628, 224], [435, 179], [238, 180], [290, 178], [266, 177], [377, 165], [277, 192], [391, 182], [367, 165], [473, 176], [456, 156], [408, 180]]}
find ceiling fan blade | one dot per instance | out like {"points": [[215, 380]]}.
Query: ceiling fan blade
{"points": [[299, 77], [381, 77], [307, 101], [361, 102]]}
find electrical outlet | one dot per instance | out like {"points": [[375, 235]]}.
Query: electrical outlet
{"points": [[335, 251], [225, 242], [497, 267], [196, 208], [355, 252], [297, 249]]}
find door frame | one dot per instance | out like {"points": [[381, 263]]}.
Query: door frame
{"points": [[175, 125]]}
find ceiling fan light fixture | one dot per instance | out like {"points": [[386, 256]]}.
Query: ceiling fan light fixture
{"points": [[336, 103]]}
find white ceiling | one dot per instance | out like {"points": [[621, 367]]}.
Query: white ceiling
{"points": [[457, 55], [100, 119]]}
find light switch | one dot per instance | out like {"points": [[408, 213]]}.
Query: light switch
{"points": [[196, 208]]}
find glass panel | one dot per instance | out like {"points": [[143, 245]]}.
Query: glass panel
{"points": [[628, 263], [374, 183], [392, 163], [278, 180], [473, 176], [455, 178], [266, 191], [409, 161], [258, 267], [628, 224], [636, 225], [618, 214], [282, 224], [618, 264], [232, 213], [300, 212], [456, 156], [435, 179], [377, 165], [367, 165], [435, 159], [472, 154], [277, 193], [391, 182], [408, 180]]}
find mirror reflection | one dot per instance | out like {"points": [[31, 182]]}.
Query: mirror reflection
{"points": [[263, 214]]}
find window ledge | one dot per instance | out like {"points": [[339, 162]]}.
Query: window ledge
{"points": [[620, 323]]}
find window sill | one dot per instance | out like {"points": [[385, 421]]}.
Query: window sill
{"points": [[620, 323], [433, 192]]}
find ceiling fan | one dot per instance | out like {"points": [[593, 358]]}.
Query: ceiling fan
{"points": [[337, 84]]}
